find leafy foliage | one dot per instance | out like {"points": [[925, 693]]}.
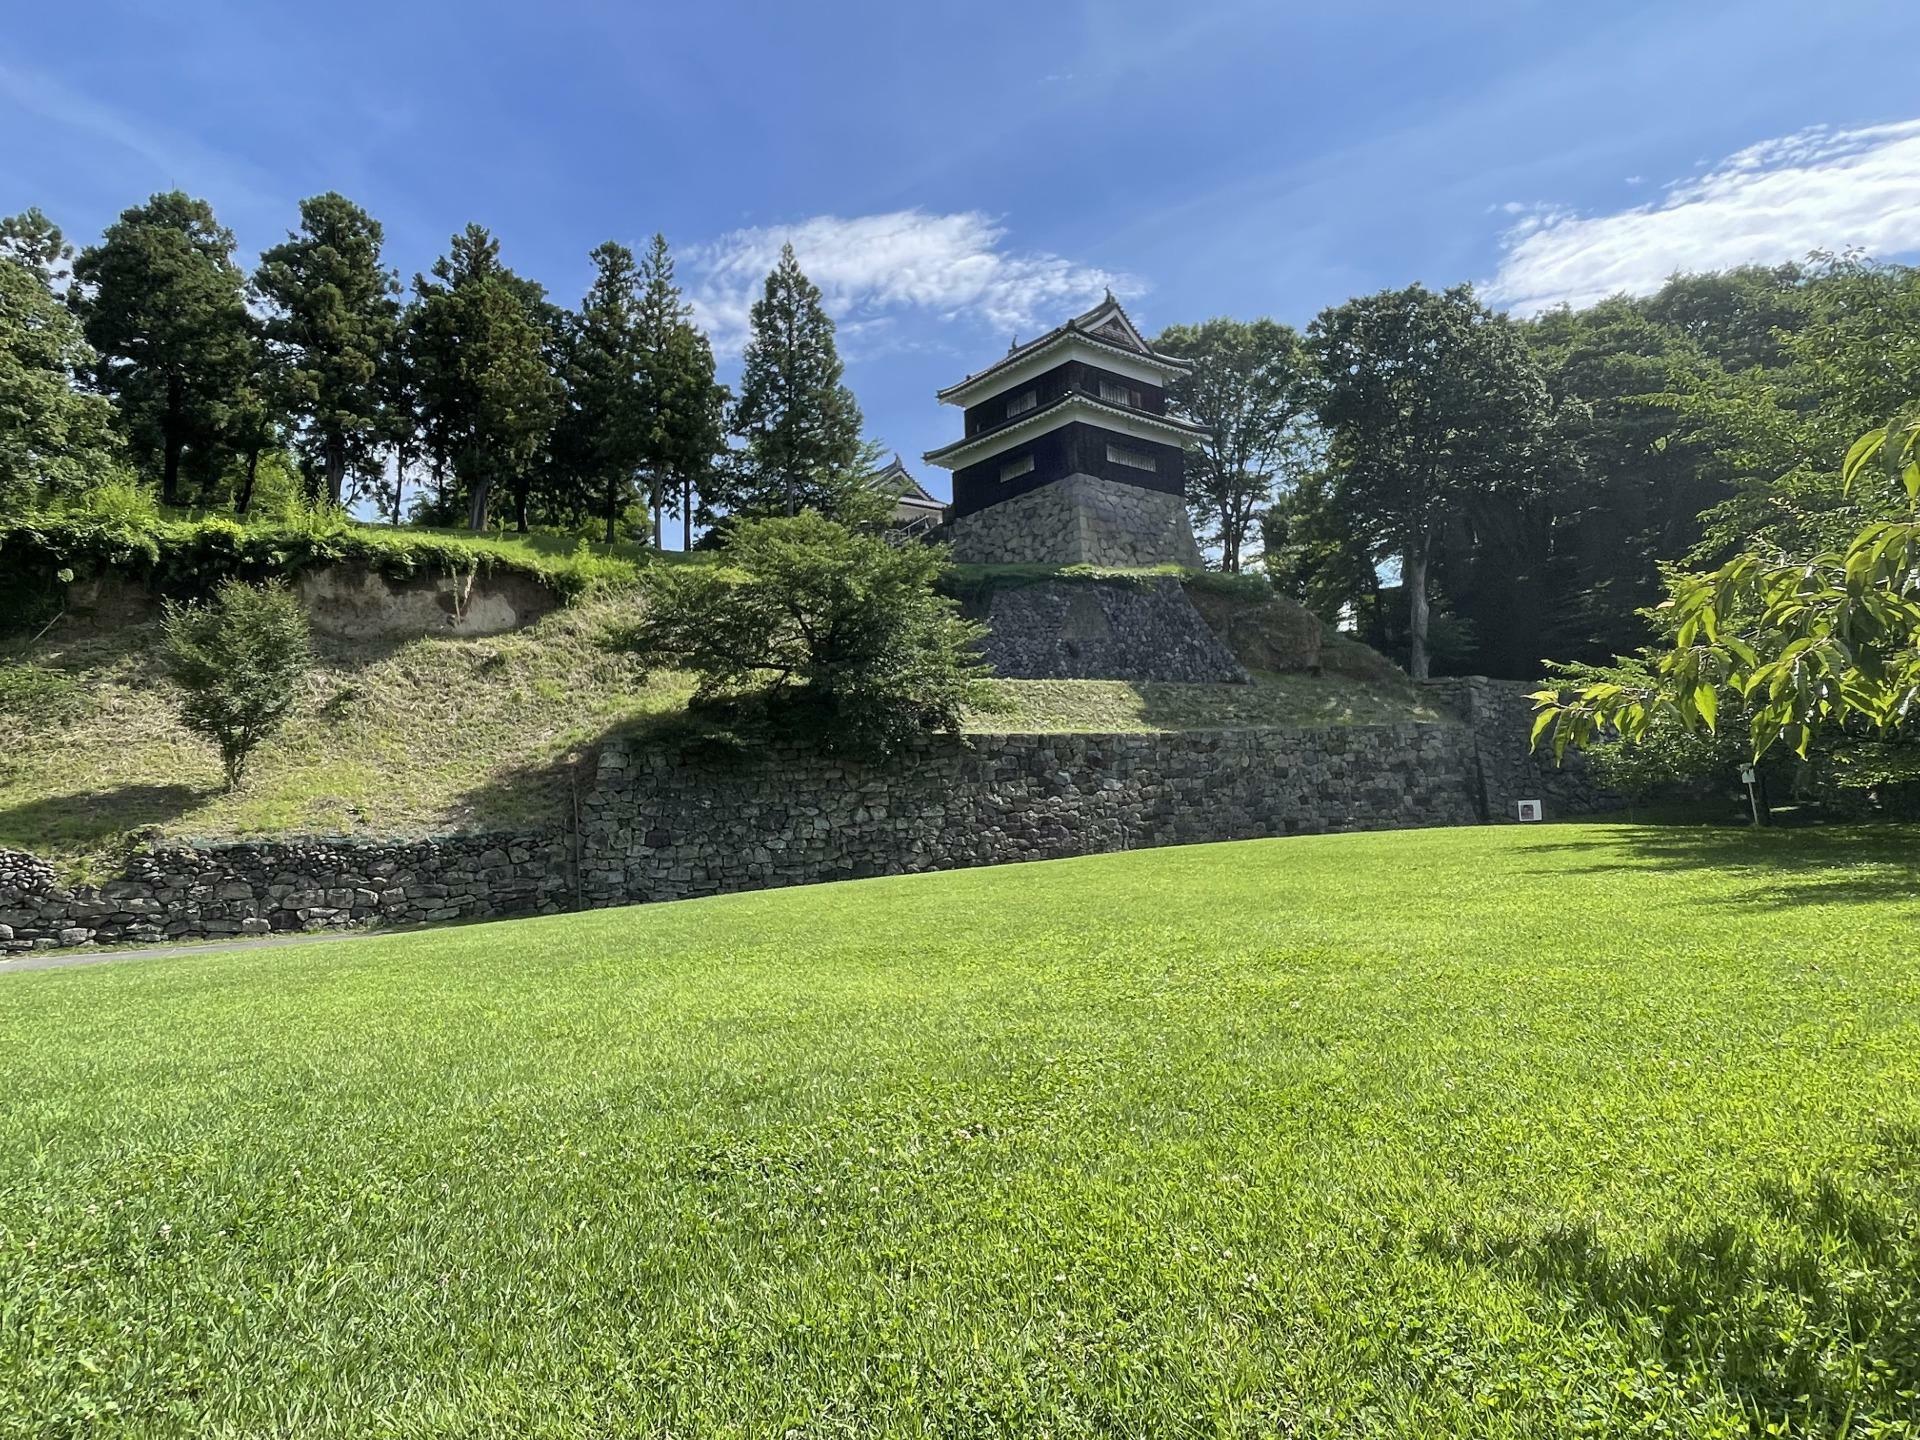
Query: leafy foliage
{"points": [[1252, 387], [837, 630], [238, 661], [1436, 413], [54, 439], [488, 391], [1805, 644]]}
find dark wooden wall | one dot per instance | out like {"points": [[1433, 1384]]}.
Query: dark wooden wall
{"points": [[1075, 449]]}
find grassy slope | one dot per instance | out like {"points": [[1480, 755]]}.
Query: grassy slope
{"points": [[1485, 1132], [439, 734]]}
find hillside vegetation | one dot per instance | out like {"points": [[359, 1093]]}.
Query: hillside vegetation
{"points": [[1401, 1134], [433, 734]]}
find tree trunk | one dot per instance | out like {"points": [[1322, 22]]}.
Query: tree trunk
{"points": [[245, 497], [478, 506], [613, 501], [336, 472], [520, 510], [659, 523], [399, 483], [1414, 577], [686, 515]]}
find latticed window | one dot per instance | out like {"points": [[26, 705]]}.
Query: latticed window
{"points": [[1138, 459], [1114, 393], [1013, 469], [1022, 403]]}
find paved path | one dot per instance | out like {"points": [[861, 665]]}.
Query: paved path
{"points": [[62, 959]]}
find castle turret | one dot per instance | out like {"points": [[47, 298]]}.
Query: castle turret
{"points": [[1070, 456]]}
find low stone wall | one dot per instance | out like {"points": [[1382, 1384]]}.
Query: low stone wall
{"points": [[662, 826], [1500, 714], [1103, 630], [1079, 520], [196, 892]]}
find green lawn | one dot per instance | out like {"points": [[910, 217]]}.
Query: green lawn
{"points": [[1518, 1132]]}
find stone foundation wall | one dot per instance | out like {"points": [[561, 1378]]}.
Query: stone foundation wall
{"points": [[659, 825], [663, 826], [1501, 717], [1081, 520], [209, 891], [1103, 630]]}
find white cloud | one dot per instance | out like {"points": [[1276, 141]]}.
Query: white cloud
{"points": [[1820, 189], [871, 269]]}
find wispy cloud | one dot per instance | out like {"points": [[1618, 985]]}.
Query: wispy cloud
{"points": [[169, 158], [1819, 189], [875, 269]]}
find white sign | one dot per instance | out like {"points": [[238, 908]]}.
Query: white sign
{"points": [[1746, 774], [1527, 810]]}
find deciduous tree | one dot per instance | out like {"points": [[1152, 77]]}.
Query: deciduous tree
{"points": [[1252, 387], [1432, 405]]}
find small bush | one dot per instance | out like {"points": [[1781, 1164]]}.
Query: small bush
{"points": [[837, 631], [238, 661]]}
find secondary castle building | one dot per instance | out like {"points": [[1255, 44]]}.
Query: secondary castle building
{"points": [[1070, 456]]}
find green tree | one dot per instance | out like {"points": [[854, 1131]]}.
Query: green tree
{"points": [[798, 424], [31, 240], [686, 408], [839, 632], [332, 322], [238, 662], [54, 439], [1433, 407], [1801, 644], [487, 386], [602, 442], [163, 307], [1252, 387]]}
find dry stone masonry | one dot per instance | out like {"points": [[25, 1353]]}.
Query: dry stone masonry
{"points": [[660, 824], [182, 892], [1079, 520], [1090, 630]]}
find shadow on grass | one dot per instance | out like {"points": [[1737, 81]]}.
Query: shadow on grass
{"points": [[1805, 1317], [92, 819], [1813, 865]]}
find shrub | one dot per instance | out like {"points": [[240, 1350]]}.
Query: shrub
{"points": [[238, 661], [840, 632]]}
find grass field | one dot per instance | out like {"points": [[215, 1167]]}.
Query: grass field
{"points": [[1516, 1132], [440, 734]]}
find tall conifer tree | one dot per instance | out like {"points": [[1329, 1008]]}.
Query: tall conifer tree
{"points": [[798, 424], [164, 309], [686, 407], [333, 320]]}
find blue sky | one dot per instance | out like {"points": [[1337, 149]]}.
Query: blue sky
{"points": [[955, 174]]}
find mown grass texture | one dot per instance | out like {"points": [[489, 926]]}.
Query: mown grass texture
{"points": [[1493, 1132]]}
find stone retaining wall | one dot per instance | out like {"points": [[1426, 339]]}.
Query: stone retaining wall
{"points": [[660, 825], [1103, 630], [1500, 715], [1079, 520], [181, 892]]}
